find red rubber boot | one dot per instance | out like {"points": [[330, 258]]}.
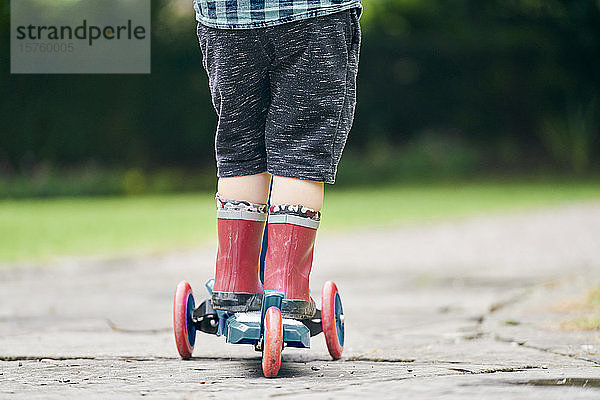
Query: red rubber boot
{"points": [[240, 228], [292, 232]]}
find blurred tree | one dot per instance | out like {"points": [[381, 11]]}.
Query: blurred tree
{"points": [[145, 120], [518, 80]]}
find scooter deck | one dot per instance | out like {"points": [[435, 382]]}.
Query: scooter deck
{"points": [[244, 328]]}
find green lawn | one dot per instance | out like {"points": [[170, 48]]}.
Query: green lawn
{"points": [[42, 229]]}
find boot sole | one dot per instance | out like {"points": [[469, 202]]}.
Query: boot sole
{"points": [[236, 302], [244, 302], [298, 309]]}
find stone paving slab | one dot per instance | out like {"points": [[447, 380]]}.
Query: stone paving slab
{"points": [[543, 320], [199, 378], [463, 308]]}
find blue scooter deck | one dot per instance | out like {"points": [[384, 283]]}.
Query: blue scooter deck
{"points": [[244, 328]]}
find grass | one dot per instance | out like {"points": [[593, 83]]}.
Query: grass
{"points": [[592, 321], [593, 298], [587, 323], [589, 313], [391, 205], [43, 229]]}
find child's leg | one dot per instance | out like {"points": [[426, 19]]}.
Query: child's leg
{"points": [[313, 90], [241, 216], [293, 221], [237, 69], [252, 188], [240, 226], [297, 191]]}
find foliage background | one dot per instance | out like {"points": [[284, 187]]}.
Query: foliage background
{"points": [[447, 89]]}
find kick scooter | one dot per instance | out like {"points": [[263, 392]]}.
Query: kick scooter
{"points": [[266, 330]]}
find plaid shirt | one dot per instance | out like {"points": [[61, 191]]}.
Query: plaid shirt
{"points": [[244, 14]]}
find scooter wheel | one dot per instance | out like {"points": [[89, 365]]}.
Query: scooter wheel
{"points": [[183, 325], [273, 342], [332, 319]]}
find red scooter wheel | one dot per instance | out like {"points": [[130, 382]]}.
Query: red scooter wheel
{"points": [[332, 319], [183, 325], [273, 342]]}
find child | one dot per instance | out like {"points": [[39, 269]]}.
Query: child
{"points": [[282, 77]]}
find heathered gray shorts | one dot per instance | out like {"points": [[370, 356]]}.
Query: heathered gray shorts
{"points": [[285, 95]]}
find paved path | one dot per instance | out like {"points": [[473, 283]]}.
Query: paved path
{"points": [[473, 308]]}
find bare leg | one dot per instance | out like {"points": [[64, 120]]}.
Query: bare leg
{"points": [[252, 188], [297, 192], [292, 233], [237, 287]]}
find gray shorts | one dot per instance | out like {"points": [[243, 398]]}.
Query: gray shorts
{"points": [[285, 95]]}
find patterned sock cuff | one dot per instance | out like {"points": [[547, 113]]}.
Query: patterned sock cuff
{"points": [[294, 214], [240, 209]]}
